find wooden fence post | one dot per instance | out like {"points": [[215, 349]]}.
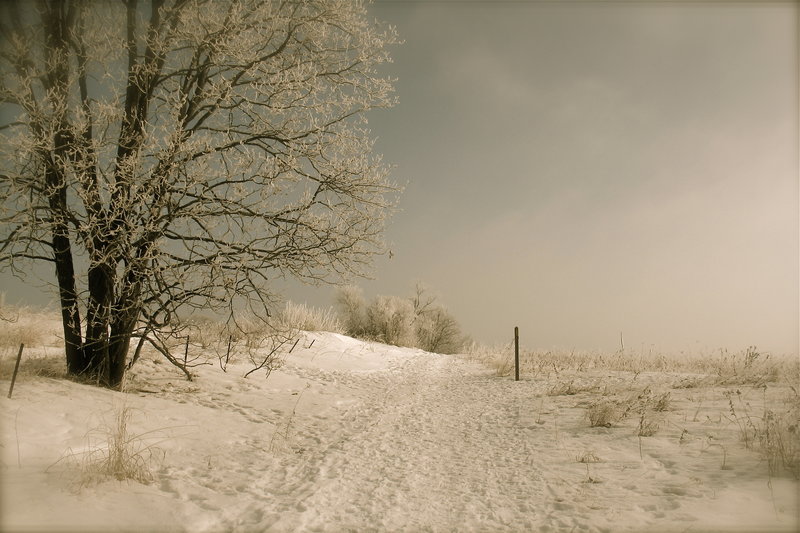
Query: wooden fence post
{"points": [[295, 344], [516, 354], [16, 369]]}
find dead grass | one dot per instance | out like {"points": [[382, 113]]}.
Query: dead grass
{"points": [[647, 427], [38, 365], [588, 457], [29, 326], [603, 413], [721, 367], [570, 388], [661, 403], [775, 433], [779, 440], [306, 318], [114, 452], [614, 407], [499, 358]]}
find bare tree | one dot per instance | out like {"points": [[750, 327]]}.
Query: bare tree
{"points": [[422, 300], [174, 154], [436, 329]]}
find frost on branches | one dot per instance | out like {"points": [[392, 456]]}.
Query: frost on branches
{"points": [[172, 154]]}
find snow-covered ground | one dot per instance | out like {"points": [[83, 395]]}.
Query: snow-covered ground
{"points": [[355, 436]]}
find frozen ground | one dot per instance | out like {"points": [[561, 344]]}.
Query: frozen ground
{"points": [[353, 436]]}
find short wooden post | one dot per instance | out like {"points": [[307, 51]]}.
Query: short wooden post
{"points": [[295, 344], [16, 369], [516, 354]]}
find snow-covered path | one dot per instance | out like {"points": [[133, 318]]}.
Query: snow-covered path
{"points": [[440, 444], [434, 450], [353, 436]]}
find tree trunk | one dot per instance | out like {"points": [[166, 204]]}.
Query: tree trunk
{"points": [[101, 293], [123, 321], [70, 314], [118, 356], [55, 17]]}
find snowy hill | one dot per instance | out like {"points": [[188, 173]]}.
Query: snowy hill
{"points": [[356, 436]]}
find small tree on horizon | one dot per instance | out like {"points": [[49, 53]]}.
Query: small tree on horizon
{"points": [[167, 155], [436, 329]]}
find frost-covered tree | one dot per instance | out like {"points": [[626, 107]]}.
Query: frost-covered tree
{"points": [[169, 154], [436, 329]]}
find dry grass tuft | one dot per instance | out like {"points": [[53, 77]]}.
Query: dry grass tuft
{"points": [[647, 428], [751, 367], [24, 325], [306, 318], [775, 434], [603, 413], [498, 358], [779, 440], [588, 457], [662, 402], [124, 456]]}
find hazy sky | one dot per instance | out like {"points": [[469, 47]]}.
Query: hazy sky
{"points": [[580, 169], [583, 169]]}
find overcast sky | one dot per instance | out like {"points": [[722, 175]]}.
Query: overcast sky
{"points": [[583, 169]]}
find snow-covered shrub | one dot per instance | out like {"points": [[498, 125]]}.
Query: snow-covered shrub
{"points": [[352, 309], [390, 320], [417, 322], [437, 331]]}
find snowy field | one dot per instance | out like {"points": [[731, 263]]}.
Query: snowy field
{"points": [[355, 436]]}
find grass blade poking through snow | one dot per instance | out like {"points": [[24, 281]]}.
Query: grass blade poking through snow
{"points": [[125, 455]]}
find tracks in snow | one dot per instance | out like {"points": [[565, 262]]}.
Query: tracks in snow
{"points": [[437, 445]]}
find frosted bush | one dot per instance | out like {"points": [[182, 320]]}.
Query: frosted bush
{"points": [[415, 322], [352, 310], [437, 331], [391, 320]]}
